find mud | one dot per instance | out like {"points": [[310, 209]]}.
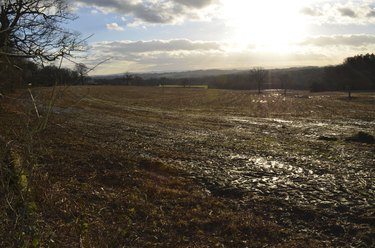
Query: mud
{"points": [[277, 166]]}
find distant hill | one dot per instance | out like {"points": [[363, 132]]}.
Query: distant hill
{"points": [[181, 74], [189, 74], [196, 73], [297, 78]]}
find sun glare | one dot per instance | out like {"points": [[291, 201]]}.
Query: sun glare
{"points": [[271, 25]]}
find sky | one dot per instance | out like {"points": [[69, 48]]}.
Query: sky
{"points": [[179, 35]]}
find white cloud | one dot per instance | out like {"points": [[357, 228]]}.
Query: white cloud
{"points": [[360, 40], [136, 47], [187, 54], [340, 12], [151, 11], [114, 26], [311, 11], [182, 54], [200, 60]]}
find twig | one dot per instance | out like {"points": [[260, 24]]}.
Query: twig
{"points": [[35, 106], [92, 68], [15, 55], [102, 62]]}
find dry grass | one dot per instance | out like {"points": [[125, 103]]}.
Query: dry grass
{"points": [[116, 99], [89, 191], [88, 197]]}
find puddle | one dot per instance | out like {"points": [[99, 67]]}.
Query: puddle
{"points": [[262, 159]]}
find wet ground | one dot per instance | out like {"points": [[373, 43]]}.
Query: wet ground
{"points": [[293, 167]]}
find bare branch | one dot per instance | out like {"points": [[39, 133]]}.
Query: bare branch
{"points": [[259, 75], [34, 29], [101, 62]]}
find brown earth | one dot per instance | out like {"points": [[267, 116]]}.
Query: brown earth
{"points": [[154, 167]]}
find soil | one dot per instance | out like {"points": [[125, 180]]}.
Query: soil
{"points": [[287, 160]]}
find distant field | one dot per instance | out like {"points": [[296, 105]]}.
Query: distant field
{"points": [[196, 167], [203, 86], [295, 104]]}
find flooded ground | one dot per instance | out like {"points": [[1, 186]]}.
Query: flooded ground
{"points": [[287, 158]]}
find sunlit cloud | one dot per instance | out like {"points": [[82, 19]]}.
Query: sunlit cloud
{"points": [[339, 12], [128, 47], [311, 11], [178, 55], [175, 35], [341, 40], [114, 26]]}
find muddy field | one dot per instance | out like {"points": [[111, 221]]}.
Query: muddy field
{"points": [[286, 155], [294, 159]]}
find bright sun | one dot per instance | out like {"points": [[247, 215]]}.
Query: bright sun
{"points": [[271, 25]]}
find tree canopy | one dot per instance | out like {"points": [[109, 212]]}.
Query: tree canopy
{"points": [[355, 73]]}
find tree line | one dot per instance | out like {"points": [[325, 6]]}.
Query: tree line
{"points": [[294, 78], [355, 73], [25, 72]]}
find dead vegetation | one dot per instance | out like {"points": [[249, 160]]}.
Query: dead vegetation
{"points": [[116, 167]]}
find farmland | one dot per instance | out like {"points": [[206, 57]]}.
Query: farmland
{"points": [[195, 167]]}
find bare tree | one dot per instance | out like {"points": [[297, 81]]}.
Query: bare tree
{"points": [[128, 78], [285, 80], [34, 29], [82, 71], [259, 75]]}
